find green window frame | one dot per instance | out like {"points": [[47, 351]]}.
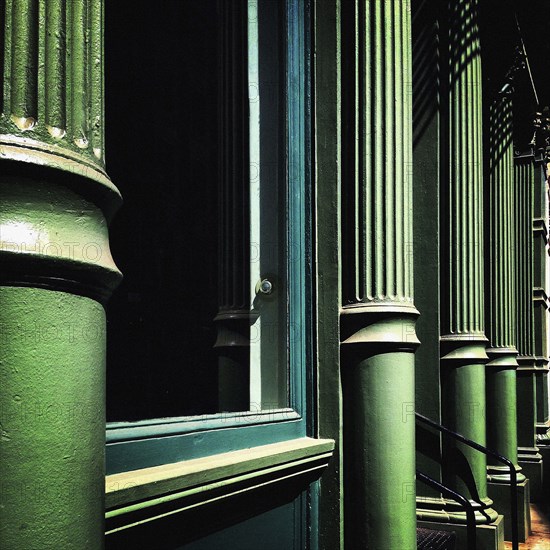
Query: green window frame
{"points": [[148, 443]]}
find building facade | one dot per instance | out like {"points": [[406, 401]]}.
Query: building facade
{"points": [[332, 331]]}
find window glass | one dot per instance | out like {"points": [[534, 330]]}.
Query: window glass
{"points": [[196, 142]]}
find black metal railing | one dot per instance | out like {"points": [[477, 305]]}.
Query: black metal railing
{"points": [[496, 456], [461, 499]]}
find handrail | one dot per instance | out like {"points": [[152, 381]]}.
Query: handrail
{"points": [[500, 458], [461, 499]]}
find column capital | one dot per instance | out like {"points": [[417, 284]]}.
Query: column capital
{"points": [[52, 103]]}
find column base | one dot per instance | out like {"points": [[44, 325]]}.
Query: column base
{"points": [[543, 434], [489, 536], [545, 452], [500, 493], [448, 511], [530, 461]]}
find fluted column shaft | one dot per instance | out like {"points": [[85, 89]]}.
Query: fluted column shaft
{"points": [[501, 299], [463, 340], [52, 96], [378, 315], [57, 272]]}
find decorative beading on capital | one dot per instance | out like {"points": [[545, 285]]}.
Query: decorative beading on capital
{"points": [[52, 98]]}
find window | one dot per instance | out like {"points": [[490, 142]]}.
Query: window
{"points": [[206, 136]]}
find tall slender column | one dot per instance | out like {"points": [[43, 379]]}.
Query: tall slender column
{"points": [[463, 340], [501, 316], [234, 315], [378, 315], [56, 274], [501, 322], [528, 453]]}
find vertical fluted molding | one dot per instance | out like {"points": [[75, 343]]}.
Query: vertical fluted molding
{"points": [[379, 163], [501, 299], [528, 455], [463, 340], [55, 91], [24, 61], [465, 291], [57, 275], [234, 314], [501, 320], [378, 315], [52, 109]]}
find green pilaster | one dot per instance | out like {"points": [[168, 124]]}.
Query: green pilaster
{"points": [[541, 301], [378, 316], [56, 274], [528, 453], [426, 197], [463, 340], [501, 316], [328, 131]]}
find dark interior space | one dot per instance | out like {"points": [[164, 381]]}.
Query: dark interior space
{"points": [[162, 142]]}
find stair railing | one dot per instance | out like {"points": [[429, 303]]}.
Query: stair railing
{"points": [[496, 456], [462, 500]]}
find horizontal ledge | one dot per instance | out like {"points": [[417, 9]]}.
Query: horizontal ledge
{"points": [[159, 427], [200, 481]]}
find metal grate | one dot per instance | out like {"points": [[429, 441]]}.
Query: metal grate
{"points": [[428, 539]]}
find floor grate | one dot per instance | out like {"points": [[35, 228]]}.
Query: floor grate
{"points": [[428, 539]]}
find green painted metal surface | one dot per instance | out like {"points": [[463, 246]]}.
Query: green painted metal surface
{"points": [[52, 420], [501, 299], [426, 200], [52, 96], [463, 339], [378, 316], [57, 271], [327, 105], [528, 455]]}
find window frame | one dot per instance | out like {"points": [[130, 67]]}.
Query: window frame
{"points": [[148, 443]]}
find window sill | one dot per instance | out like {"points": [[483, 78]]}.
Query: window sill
{"points": [[140, 496]]}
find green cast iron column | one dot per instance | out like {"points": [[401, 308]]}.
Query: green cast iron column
{"points": [[234, 316], [501, 317], [56, 274], [501, 321], [528, 453], [463, 340], [378, 316]]}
